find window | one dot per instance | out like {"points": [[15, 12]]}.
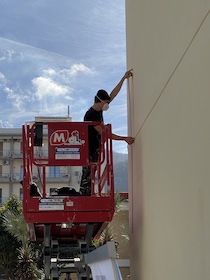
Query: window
{"points": [[21, 172], [0, 196], [54, 171], [21, 194], [1, 148]]}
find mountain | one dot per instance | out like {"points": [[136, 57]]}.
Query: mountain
{"points": [[120, 171]]}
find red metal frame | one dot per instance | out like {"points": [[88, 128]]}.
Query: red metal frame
{"points": [[68, 146]]}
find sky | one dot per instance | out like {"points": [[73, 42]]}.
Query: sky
{"points": [[55, 54]]}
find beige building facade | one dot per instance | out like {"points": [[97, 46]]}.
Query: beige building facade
{"points": [[168, 47]]}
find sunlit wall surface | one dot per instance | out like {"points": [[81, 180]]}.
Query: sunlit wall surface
{"points": [[168, 47]]}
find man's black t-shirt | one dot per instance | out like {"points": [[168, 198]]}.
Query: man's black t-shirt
{"points": [[93, 135]]}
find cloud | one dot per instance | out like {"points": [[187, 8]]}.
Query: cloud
{"points": [[6, 54], [17, 98], [9, 92], [5, 124], [49, 72], [2, 78], [58, 83], [13, 96], [67, 73], [46, 87], [76, 68]]}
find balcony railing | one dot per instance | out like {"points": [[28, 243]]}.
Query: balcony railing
{"points": [[8, 177], [16, 154], [54, 178], [4, 177], [6, 154], [17, 177]]}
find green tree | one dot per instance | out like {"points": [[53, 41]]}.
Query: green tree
{"points": [[26, 267], [118, 199], [14, 226], [9, 244]]}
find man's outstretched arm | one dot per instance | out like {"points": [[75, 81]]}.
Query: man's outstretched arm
{"points": [[127, 139], [115, 91]]}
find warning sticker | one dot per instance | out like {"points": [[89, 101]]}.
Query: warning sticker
{"points": [[67, 153], [69, 203], [51, 204]]}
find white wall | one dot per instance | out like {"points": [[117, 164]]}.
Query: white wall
{"points": [[168, 46]]}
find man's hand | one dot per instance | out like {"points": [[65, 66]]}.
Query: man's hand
{"points": [[128, 74], [129, 140]]}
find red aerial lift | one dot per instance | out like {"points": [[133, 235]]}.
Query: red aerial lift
{"points": [[66, 224]]}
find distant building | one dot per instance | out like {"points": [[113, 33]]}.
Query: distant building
{"points": [[11, 164]]}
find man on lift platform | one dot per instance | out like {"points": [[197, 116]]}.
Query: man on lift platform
{"points": [[95, 113]]}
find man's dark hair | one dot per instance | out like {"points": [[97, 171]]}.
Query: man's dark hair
{"points": [[103, 95]]}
